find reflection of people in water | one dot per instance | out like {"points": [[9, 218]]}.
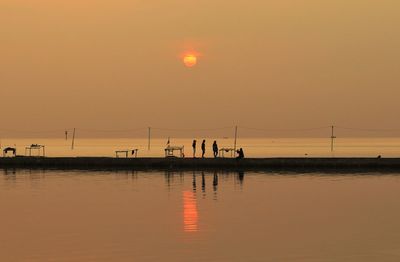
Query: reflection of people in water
{"points": [[215, 181], [215, 185], [240, 153], [194, 182], [241, 176], [215, 149], [203, 182]]}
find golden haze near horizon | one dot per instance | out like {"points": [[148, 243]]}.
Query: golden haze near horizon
{"points": [[265, 64]]}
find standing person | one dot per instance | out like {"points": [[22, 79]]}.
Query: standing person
{"points": [[194, 148], [203, 148], [215, 148]]}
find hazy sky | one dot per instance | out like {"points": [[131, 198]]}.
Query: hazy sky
{"points": [[263, 63]]}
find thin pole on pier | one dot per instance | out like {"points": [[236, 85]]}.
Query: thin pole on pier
{"points": [[332, 137], [149, 137], [73, 140], [66, 135], [234, 145]]}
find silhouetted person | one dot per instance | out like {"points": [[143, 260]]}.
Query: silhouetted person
{"points": [[203, 148], [240, 153], [215, 149], [194, 148]]}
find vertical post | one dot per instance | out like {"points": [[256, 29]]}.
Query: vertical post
{"points": [[332, 137], [66, 135], [73, 140], [149, 137], [234, 145]]}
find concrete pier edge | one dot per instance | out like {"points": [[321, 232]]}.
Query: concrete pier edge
{"points": [[257, 164]]}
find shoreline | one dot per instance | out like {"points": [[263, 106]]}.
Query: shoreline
{"points": [[217, 164]]}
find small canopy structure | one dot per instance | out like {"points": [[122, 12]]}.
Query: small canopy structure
{"points": [[133, 152], [170, 150], [13, 151], [222, 152], [35, 147]]}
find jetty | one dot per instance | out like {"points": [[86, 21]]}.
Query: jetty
{"points": [[255, 164]]}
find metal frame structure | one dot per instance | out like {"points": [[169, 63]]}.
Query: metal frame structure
{"points": [[169, 151], [126, 152], [37, 147], [222, 152], [12, 149]]}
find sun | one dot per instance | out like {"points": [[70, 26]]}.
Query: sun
{"points": [[190, 60]]}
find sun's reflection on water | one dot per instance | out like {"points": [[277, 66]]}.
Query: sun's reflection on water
{"points": [[190, 213]]}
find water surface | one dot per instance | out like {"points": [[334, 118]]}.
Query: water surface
{"points": [[200, 216]]}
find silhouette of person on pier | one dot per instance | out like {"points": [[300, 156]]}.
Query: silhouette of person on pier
{"points": [[194, 148], [215, 149], [203, 148], [240, 153]]}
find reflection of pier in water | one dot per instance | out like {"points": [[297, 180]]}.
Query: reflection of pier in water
{"points": [[201, 178], [191, 215], [199, 185]]}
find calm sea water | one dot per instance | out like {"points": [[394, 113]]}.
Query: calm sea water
{"points": [[161, 216], [253, 147]]}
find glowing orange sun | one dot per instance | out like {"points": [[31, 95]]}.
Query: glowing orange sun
{"points": [[190, 60]]}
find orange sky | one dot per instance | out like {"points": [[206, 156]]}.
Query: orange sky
{"points": [[268, 64]]}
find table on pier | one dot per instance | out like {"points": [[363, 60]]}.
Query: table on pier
{"points": [[169, 151], [222, 152], [39, 148], [13, 150], [126, 152]]}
